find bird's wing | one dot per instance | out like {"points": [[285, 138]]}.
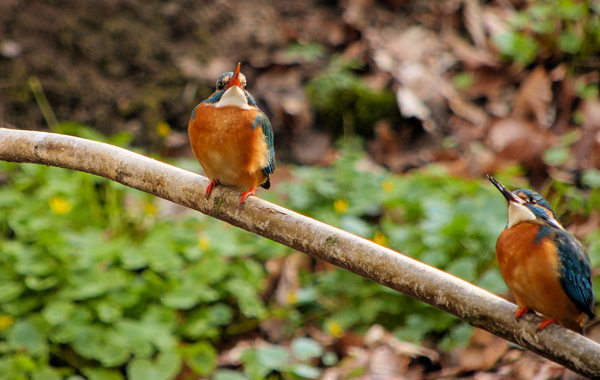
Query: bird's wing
{"points": [[263, 121], [576, 275]]}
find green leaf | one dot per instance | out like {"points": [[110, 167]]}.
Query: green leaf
{"points": [[202, 323], [356, 226], [463, 80], [209, 270], [116, 351], [247, 297], [133, 258], [492, 281], [93, 373], [29, 335], [227, 374], [463, 268], [459, 336], [571, 10], [308, 52], [252, 367], [10, 290], [557, 155], [38, 283], [306, 348], [272, 356], [187, 296], [521, 47], [108, 312], [306, 371], [220, 314], [46, 373], [201, 357], [591, 178], [260, 361], [166, 367], [169, 364], [87, 340], [569, 42], [140, 344], [435, 258], [329, 358], [142, 369]]}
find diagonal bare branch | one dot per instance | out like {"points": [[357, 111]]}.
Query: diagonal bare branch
{"points": [[365, 258]]}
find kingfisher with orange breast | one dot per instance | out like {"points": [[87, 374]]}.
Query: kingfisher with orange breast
{"points": [[545, 267], [232, 138]]}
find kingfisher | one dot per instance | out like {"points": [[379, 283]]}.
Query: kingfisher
{"points": [[232, 138], [545, 267]]}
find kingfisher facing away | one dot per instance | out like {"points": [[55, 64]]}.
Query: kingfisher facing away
{"points": [[545, 267], [233, 139]]}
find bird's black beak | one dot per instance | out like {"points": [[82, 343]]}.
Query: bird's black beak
{"points": [[510, 197], [235, 79]]}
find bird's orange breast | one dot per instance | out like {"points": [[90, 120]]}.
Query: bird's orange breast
{"points": [[229, 149], [531, 271]]}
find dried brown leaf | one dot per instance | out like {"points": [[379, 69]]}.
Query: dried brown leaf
{"points": [[377, 335], [488, 82], [463, 108], [483, 352], [384, 364], [590, 111], [231, 356], [423, 82], [416, 44], [470, 56], [411, 106], [520, 141], [356, 12], [496, 20], [586, 150], [534, 99], [473, 17], [281, 90]]}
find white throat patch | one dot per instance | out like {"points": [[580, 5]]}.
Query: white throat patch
{"points": [[518, 213], [234, 96]]}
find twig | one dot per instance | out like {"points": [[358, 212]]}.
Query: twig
{"points": [[392, 269], [43, 103]]}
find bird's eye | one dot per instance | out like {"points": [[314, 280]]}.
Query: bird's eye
{"points": [[532, 201]]}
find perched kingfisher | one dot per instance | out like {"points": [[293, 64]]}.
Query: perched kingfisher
{"points": [[233, 139], [545, 267]]}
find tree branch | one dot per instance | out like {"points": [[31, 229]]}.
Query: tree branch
{"points": [[365, 258]]}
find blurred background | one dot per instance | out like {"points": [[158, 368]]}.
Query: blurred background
{"points": [[387, 115]]}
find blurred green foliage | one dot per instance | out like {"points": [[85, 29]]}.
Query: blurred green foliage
{"points": [[308, 52], [345, 104], [97, 281], [446, 222], [556, 29]]}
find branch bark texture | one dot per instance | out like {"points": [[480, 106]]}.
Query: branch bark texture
{"points": [[363, 257]]}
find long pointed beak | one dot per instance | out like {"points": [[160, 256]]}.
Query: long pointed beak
{"points": [[510, 197], [235, 79]]}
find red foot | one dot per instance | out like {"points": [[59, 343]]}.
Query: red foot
{"points": [[247, 194], [210, 187], [522, 311], [545, 323]]}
